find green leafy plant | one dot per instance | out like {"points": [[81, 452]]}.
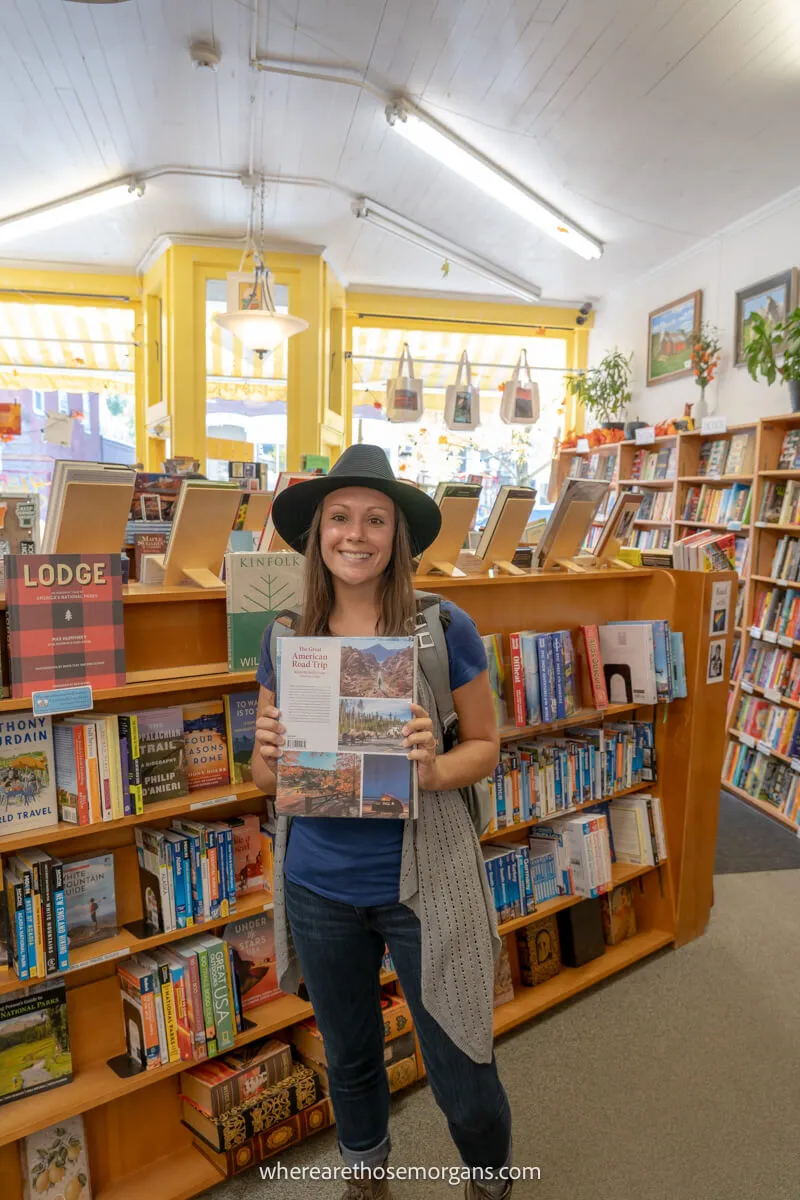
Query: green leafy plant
{"points": [[766, 343], [604, 390]]}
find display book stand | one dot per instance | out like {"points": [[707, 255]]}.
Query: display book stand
{"points": [[137, 1145], [757, 579], [497, 544]]}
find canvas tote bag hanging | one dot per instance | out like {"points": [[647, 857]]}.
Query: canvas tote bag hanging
{"points": [[462, 400], [404, 392], [520, 404]]}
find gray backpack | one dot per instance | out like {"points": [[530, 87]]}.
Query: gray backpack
{"points": [[435, 665]]}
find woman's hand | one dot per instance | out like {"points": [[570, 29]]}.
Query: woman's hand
{"points": [[269, 735], [419, 736]]}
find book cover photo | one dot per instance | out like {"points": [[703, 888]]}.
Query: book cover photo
{"points": [[55, 1162], [240, 729], [65, 622], [27, 773], [206, 744], [253, 943], [258, 587], [90, 899], [34, 1041], [344, 703]]}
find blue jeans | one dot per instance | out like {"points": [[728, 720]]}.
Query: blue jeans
{"points": [[340, 948]]}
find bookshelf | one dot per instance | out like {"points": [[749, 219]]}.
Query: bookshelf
{"points": [[137, 1145], [759, 580]]}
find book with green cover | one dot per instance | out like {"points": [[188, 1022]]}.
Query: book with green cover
{"points": [[258, 587], [218, 968], [201, 949], [240, 729]]}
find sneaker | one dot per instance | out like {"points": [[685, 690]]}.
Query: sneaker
{"points": [[474, 1191]]}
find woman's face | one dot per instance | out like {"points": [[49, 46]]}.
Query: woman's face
{"points": [[356, 534]]}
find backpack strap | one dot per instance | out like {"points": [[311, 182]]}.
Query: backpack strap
{"points": [[433, 658], [283, 625]]}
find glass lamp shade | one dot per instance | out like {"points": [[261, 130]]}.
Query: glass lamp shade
{"points": [[259, 329]]}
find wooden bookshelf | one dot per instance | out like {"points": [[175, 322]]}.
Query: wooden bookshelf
{"points": [[758, 578], [137, 1145]]}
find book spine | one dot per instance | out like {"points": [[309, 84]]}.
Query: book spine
{"points": [[60, 914], [104, 770], [30, 923], [178, 882], [500, 794], [208, 1003], [84, 810], [194, 1004], [92, 773], [213, 875], [518, 681], [559, 669], [179, 991], [15, 892], [547, 699], [236, 998], [229, 610], [222, 871], [170, 1013], [230, 869], [48, 917], [594, 663], [188, 883]]}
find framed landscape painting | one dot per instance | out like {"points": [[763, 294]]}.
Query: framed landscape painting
{"points": [[771, 298], [669, 334]]}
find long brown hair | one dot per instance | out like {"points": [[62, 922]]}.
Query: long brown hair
{"points": [[397, 606]]}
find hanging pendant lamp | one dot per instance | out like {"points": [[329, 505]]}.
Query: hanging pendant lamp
{"points": [[258, 325]]}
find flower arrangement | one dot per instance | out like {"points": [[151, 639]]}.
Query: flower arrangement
{"points": [[706, 348]]}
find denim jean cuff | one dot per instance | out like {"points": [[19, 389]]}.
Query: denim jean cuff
{"points": [[508, 1162], [366, 1159]]}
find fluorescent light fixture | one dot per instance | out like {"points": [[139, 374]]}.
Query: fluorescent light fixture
{"points": [[449, 149], [71, 208], [418, 235]]}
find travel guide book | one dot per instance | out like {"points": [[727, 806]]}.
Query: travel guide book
{"points": [[64, 621], [240, 731], [258, 587], [206, 744], [27, 773], [344, 702]]}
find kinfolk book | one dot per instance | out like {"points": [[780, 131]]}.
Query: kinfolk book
{"points": [[344, 702], [64, 621], [258, 587], [27, 773]]}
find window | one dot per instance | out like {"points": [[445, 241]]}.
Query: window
{"points": [[87, 413], [63, 402], [38, 405]]}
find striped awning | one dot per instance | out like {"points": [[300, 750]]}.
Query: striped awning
{"points": [[69, 347]]}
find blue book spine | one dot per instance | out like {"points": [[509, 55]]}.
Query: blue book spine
{"points": [[530, 668], [30, 928], [21, 961], [559, 674], [525, 785], [525, 855], [222, 871], [197, 876], [178, 889], [494, 883], [514, 886], [568, 655], [60, 909], [558, 779], [231, 869], [500, 793], [547, 704]]}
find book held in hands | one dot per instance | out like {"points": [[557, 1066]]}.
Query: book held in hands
{"points": [[344, 703]]}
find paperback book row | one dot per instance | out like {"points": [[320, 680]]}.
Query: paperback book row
{"points": [[786, 559], [705, 551], [655, 464], [780, 503], [656, 505], [628, 662], [718, 506], [594, 466], [773, 669], [186, 1001], [768, 725], [727, 456], [575, 856], [790, 451], [651, 539], [195, 871], [776, 614], [90, 769], [549, 775], [763, 778]]}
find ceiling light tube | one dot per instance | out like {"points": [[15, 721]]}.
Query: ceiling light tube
{"points": [[70, 208], [449, 149], [418, 235]]}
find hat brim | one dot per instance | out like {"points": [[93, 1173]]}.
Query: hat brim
{"points": [[293, 510]]}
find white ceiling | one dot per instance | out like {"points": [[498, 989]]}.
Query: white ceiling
{"points": [[652, 123]]}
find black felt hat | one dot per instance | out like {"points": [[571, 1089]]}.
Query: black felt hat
{"points": [[360, 466]]}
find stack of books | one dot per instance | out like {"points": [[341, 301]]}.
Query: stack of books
{"points": [[656, 505], [777, 612], [705, 552], [717, 505], [771, 668], [720, 456], [764, 778], [651, 539], [250, 476], [36, 903], [543, 677], [786, 559], [768, 725], [594, 466], [655, 464]]}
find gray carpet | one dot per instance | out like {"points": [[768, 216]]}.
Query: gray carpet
{"points": [[676, 1080], [749, 840]]}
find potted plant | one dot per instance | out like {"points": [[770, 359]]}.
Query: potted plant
{"points": [[604, 390], [766, 342]]}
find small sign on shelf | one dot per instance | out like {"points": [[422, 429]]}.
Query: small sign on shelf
{"points": [[714, 425], [755, 632], [773, 694], [796, 765], [770, 635], [55, 701], [764, 748], [734, 526], [747, 687], [783, 640], [747, 740], [645, 436], [583, 446]]}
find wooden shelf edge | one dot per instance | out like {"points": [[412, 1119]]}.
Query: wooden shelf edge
{"points": [[180, 1175], [530, 1002], [151, 687], [503, 830], [513, 733], [621, 873], [761, 805]]}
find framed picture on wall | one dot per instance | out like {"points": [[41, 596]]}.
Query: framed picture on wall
{"points": [[771, 298], [669, 336]]}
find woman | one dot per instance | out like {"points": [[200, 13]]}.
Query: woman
{"points": [[349, 886]]}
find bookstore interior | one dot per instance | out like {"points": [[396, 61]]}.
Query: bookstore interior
{"points": [[208, 374]]}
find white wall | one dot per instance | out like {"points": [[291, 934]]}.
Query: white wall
{"points": [[763, 244]]}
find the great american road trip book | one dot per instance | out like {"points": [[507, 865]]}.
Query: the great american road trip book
{"points": [[344, 702]]}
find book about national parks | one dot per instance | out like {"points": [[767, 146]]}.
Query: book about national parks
{"points": [[344, 702], [34, 1041]]}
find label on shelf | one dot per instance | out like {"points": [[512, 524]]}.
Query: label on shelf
{"points": [[755, 631], [771, 635], [734, 526], [773, 694], [764, 748], [714, 425], [583, 446], [644, 437], [213, 801], [783, 640], [62, 700], [101, 958], [747, 740], [747, 687], [796, 765]]}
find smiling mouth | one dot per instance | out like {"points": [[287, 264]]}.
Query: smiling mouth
{"points": [[355, 555]]}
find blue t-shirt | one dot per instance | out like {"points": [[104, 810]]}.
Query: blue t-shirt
{"points": [[354, 860]]}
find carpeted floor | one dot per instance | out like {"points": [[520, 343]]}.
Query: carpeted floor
{"points": [[676, 1080], [749, 841]]}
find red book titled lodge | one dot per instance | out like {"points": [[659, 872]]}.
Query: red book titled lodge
{"points": [[65, 624]]}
